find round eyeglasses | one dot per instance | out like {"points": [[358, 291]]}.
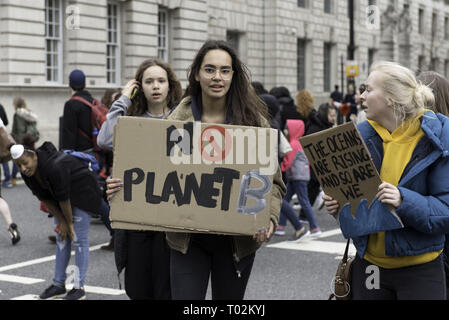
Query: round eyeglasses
{"points": [[225, 73]]}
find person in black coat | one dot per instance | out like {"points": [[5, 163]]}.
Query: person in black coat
{"points": [[76, 120], [323, 119], [274, 109], [350, 102], [71, 193], [336, 95], [287, 105]]}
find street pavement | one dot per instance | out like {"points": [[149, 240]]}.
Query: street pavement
{"points": [[282, 270]]}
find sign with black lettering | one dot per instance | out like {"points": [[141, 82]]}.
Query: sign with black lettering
{"points": [[189, 176], [342, 165]]}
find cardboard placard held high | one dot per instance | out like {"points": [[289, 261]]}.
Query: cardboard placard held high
{"points": [[193, 177]]}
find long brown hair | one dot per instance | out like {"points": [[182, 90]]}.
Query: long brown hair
{"points": [[139, 105], [440, 88], [242, 103]]}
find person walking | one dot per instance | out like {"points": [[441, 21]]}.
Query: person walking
{"points": [[287, 105], [76, 131], [296, 167], [408, 145], [24, 122], [71, 193], [336, 95], [13, 230], [440, 89], [305, 101], [144, 255]]}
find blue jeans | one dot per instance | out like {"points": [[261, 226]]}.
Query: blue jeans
{"points": [[6, 171], [300, 188], [81, 222]]}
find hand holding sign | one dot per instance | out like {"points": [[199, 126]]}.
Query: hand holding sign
{"points": [[342, 165]]}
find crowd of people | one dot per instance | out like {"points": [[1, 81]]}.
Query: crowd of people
{"points": [[402, 118]]}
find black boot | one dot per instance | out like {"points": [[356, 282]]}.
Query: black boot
{"points": [[109, 246], [14, 233]]}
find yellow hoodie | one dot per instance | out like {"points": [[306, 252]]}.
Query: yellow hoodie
{"points": [[398, 149]]}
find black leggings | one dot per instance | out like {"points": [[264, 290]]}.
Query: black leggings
{"points": [[421, 282], [147, 272], [209, 255]]}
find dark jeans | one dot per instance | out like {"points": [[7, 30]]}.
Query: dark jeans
{"points": [[104, 216], [421, 282], [147, 271], [209, 255], [300, 188], [287, 212], [313, 188]]}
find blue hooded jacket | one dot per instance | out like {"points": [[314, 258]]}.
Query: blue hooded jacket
{"points": [[424, 187]]}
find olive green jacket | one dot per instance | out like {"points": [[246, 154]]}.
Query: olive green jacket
{"points": [[243, 245]]}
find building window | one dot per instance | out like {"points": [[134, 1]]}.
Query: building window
{"points": [[371, 55], [371, 2], [327, 66], [422, 63], [53, 41], [446, 28], [434, 23], [113, 44], [328, 6], [162, 35], [232, 37], [446, 68], [434, 64], [301, 64], [421, 21], [303, 3]]}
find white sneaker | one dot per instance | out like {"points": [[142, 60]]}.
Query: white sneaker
{"points": [[280, 232], [315, 232]]}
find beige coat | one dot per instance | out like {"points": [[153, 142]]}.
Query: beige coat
{"points": [[243, 245]]}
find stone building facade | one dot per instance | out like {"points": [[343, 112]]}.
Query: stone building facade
{"points": [[295, 43]]}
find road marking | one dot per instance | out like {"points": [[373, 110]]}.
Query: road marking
{"points": [[42, 260], [311, 245], [88, 289], [18, 279], [329, 233], [26, 297], [99, 290]]}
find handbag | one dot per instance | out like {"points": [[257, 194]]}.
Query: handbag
{"points": [[6, 141], [341, 283]]}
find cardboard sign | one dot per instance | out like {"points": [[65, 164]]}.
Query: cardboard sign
{"points": [[193, 177], [342, 165]]}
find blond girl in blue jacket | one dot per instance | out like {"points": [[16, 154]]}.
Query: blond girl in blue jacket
{"points": [[410, 147]]}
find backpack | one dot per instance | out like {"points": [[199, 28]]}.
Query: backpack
{"points": [[32, 130], [89, 160], [97, 117]]}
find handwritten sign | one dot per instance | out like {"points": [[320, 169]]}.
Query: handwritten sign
{"points": [[342, 165], [193, 177]]}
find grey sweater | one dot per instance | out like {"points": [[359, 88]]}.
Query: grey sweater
{"points": [[118, 109]]}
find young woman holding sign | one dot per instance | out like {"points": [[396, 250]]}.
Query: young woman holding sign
{"points": [[219, 92], [410, 148], [153, 93]]}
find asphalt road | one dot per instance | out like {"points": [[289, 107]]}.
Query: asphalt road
{"points": [[282, 270]]}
